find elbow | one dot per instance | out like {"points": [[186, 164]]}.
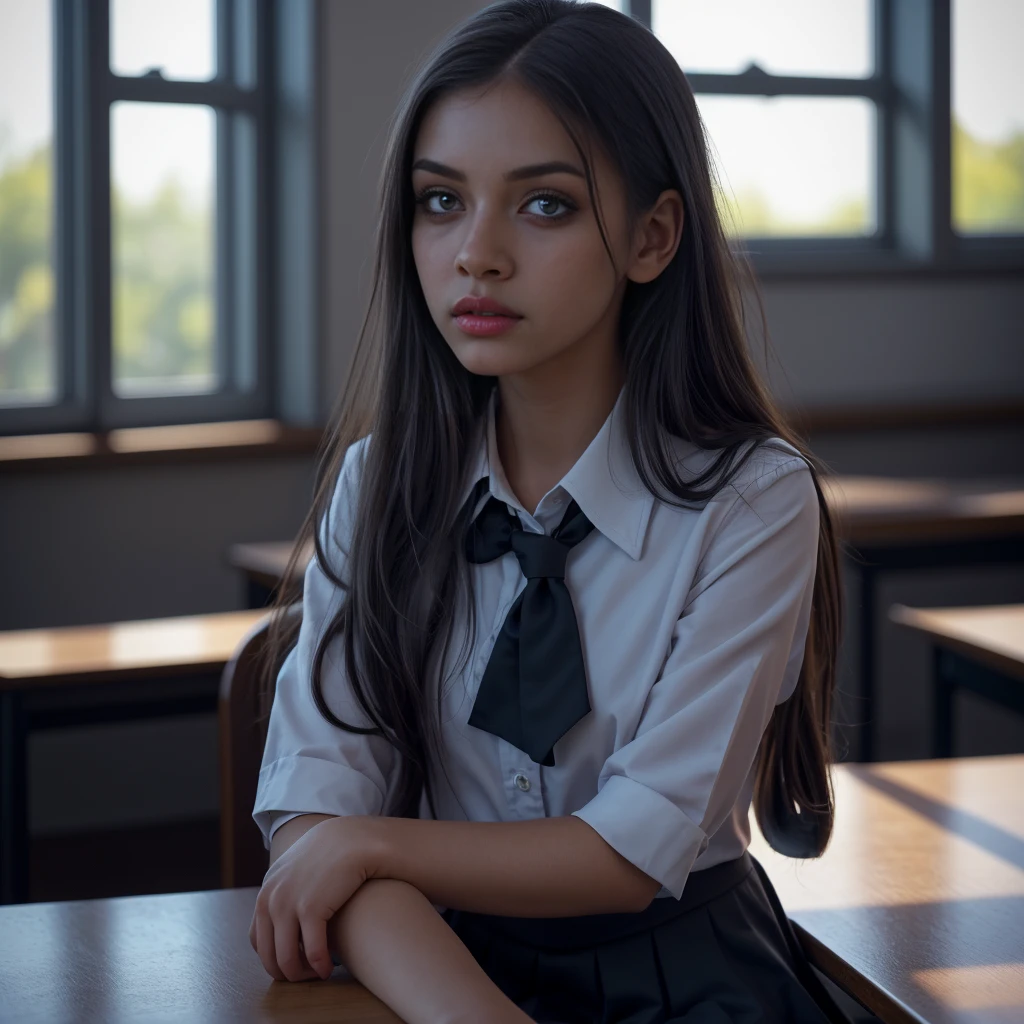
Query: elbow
{"points": [[643, 892]]}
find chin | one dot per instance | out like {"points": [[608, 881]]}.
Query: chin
{"points": [[491, 357]]}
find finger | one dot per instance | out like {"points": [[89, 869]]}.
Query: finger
{"points": [[265, 945], [314, 942], [252, 933], [286, 945]]}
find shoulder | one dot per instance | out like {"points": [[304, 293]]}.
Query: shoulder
{"points": [[346, 489], [757, 466]]}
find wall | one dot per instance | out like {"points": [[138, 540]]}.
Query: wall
{"points": [[110, 544]]}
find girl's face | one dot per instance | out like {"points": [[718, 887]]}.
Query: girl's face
{"points": [[503, 214]]}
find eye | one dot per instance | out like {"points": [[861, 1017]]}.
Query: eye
{"points": [[437, 201], [547, 206]]}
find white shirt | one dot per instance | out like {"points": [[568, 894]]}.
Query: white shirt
{"points": [[692, 623]]}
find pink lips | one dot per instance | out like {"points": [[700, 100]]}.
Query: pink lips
{"points": [[483, 317]]}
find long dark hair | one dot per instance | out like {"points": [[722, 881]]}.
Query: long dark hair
{"points": [[688, 373]]}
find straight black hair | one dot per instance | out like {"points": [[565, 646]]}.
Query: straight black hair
{"points": [[688, 374]]}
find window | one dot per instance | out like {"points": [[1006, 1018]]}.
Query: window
{"points": [[862, 135], [134, 279], [27, 364], [988, 117], [800, 160]]}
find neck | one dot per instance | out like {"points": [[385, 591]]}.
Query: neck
{"points": [[544, 425]]}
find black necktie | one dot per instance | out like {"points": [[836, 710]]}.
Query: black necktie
{"points": [[534, 689]]}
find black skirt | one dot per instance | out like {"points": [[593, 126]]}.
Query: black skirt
{"points": [[725, 952]]}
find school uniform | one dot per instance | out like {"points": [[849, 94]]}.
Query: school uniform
{"points": [[670, 634]]}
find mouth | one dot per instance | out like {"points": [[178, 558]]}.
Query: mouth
{"points": [[485, 324], [480, 305], [480, 316]]}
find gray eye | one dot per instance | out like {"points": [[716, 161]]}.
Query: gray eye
{"points": [[445, 202], [547, 206]]}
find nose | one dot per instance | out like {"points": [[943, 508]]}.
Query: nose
{"points": [[484, 252]]}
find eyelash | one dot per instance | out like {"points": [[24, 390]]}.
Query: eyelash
{"points": [[422, 198]]}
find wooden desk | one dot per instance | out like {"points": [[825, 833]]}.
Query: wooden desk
{"points": [[886, 523], [54, 678], [979, 649], [917, 906], [182, 958]]}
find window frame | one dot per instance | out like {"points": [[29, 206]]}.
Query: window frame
{"points": [[912, 95], [85, 88]]}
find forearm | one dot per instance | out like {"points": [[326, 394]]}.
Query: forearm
{"points": [[546, 867], [292, 831], [395, 943]]}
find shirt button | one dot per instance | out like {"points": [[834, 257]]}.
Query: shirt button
{"points": [[521, 781]]}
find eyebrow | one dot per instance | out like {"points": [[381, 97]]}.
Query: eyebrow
{"points": [[518, 174]]}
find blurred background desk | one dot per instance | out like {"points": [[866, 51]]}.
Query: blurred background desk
{"points": [[890, 524], [56, 678], [976, 649]]}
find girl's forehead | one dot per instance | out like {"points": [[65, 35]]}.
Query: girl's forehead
{"points": [[491, 124]]}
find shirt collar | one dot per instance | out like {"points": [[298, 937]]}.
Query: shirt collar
{"points": [[603, 482]]}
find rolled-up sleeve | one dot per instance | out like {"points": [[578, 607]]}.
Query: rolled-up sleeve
{"points": [[740, 635], [310, 766]]}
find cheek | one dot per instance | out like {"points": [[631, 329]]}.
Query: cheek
{"points": [[569, 264]]}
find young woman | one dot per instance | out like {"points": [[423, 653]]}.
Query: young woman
{"points": [[574, 599]]}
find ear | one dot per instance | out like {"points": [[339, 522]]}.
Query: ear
{"points": [[657, 237]]}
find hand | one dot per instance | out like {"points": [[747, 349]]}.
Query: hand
{"points": [[304, 888]]}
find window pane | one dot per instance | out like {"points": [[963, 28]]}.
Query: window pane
{"points": [[988, 117], [785, 37], [27, 359], [162, 210], [794, 165], [177, 36]]}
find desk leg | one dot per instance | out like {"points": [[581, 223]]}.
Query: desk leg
{"points": [[868, 645], [943, 687], [13, 806]]}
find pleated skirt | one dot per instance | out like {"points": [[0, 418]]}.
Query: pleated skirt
{"points": [[723, 953]]}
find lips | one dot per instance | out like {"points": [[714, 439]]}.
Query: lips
{"points": [[481, 317]]}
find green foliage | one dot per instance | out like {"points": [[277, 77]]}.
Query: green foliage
{"points": [[162, 302], [26, 280], [988, 184], [750, 213], [163, 307]]}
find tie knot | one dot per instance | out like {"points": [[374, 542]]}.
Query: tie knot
{"points": [[539, 555]]}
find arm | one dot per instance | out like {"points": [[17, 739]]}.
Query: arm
{"points": [[291, 831], [393, 941], [397, 945], [548, 867]]}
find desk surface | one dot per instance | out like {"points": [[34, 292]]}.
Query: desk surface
{"points": [[994, 634], [182, 958], [86, 654], [921, 889]]}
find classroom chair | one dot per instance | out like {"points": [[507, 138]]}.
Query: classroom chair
{"points": [[243, 720]]}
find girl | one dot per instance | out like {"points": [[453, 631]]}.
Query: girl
{"points": [[574, 598]]}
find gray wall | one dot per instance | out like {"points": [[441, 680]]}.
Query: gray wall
{"points": [[137, 542]]}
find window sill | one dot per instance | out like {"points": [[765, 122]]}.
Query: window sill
{"points": [[204, 442], [193, 442]]}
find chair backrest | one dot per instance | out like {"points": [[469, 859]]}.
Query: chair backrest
{"points": [[243, 732]]}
